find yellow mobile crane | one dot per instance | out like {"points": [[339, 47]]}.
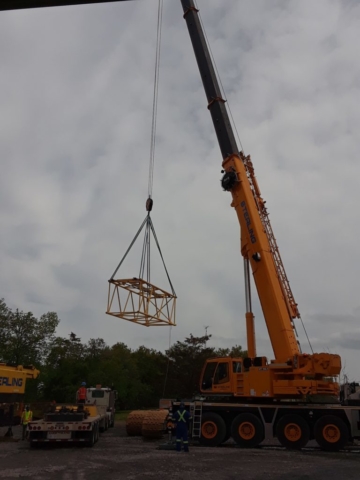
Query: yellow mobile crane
{"points": [[295, 396], [292, 374], [12, 391]]}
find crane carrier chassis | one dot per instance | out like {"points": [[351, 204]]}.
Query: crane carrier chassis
{"points": [[69, 424], [332, 425]]}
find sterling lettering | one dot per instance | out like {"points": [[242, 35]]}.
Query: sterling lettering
{"points": [[248, 222], [11, 382]]}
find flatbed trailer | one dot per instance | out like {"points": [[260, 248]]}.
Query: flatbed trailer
{"points": [[332, 425], [77, 424]]}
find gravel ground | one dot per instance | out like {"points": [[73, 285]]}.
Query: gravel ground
{"points": [[117, 456]]}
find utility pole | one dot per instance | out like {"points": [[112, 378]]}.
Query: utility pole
{"points": [[206, 329]]}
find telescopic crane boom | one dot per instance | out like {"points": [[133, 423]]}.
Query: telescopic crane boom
{"points": [[298, 373]]}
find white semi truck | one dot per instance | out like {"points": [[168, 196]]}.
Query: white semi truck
{"points": [[76, 423], [104, 398]]}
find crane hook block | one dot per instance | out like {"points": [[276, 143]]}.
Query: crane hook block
{"points": [[228, 180], [149, 204]]}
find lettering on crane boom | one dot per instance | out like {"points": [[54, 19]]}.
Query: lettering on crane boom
{"points": [[248, 222], [11, 382]]}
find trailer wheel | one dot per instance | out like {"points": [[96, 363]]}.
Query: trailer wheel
{"points": [[92, 438], [213, 429], [293, 432], [247, 430], [331, 433], [97, 434]]}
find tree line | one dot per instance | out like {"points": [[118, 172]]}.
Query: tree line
{"points": [[141, 376]]}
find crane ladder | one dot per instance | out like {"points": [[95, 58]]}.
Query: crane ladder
{"points": [[196, 413]]}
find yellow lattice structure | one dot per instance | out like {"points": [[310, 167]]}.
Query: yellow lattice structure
{"points": [[139, 301]]}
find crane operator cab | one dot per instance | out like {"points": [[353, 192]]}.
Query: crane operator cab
{"points": [[229, 375]]}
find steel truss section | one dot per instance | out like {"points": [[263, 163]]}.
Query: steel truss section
{"points": [[139, 301]]}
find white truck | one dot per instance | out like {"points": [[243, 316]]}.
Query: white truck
{"points": [[104, 398], [77, 423]]}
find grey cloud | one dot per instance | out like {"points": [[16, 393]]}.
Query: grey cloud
{"points": [[76, 96]]}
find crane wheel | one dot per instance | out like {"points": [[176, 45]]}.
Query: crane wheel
{"points": [[331, 433], [213, 429], [293, 432], [247, 430]]}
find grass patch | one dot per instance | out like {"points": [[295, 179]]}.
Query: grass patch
{"points": [[122, 415]]}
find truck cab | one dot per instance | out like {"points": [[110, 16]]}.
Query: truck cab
{"points": [[104, 398]]}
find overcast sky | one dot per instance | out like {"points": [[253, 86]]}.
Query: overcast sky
{"points": [[76, 103]]}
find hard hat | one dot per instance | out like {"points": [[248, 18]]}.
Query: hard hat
{"points": [[83, 384], [182, 404]]}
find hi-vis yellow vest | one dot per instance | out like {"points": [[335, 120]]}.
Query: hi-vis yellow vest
{"points": [[26, 417]]}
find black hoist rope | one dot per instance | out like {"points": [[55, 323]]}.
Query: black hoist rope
{"points": [[155, 99], [145, 264], [145, 257]]}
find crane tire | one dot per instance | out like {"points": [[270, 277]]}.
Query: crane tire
{"points": [[331, 433], [293, 431], [213, 429], [247, 430]]}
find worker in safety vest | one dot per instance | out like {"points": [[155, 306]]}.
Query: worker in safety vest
{"points": [[182, 417], [81, 393], [26, 417]]}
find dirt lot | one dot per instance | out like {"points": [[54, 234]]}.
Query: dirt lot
{"points": [[117, 456]]}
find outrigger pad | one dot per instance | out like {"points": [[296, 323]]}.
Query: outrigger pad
{"points": [[139, 301]]}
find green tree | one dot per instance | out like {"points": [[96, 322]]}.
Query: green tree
{"points": [[234, 352], [151, 367], [24, 339], [65, 369], [186, 360]]}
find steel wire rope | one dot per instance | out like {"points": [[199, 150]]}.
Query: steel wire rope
{"points": [[128, 250], [145, 258], [222, 88], [155, 99]]}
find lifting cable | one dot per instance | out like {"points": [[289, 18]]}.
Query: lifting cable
{"points": [[234, 125], [147, 223], [155, 99]]}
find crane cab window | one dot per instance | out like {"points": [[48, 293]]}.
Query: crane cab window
{"points": [[208, 375], [222, 373], [237, 367]]}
